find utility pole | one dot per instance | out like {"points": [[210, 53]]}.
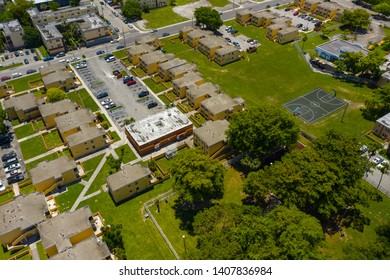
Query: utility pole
{"points": [[185, 247], [342, 117]]}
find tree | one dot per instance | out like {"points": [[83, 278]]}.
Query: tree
{"points": [[383, 168], [74, 3], [357, 18], [231, 232], [372, 148], [132, 9], [377, 104], [383, 8], [55, 95], [32, 37], [198, 179], [115, 164], [350, 62], [208, 17], [304, 39], [54, 6], [112, 235], [18, 10], [260, 131], [3, 116], [145, 8], [172, 3], [372, 62]]}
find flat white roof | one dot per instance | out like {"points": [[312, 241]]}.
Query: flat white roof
{"points": [[157, 126]]}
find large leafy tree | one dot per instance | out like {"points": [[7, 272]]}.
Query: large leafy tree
{"points": [[3, 116], [377, 104], [260, 131], [132, 9], [350, 62], [18, 10], [198, 179], [55, 95], [31, 37], [238, 232], [323, 181], [208, 17], [383, 8], [357, 18], [112, 235]]}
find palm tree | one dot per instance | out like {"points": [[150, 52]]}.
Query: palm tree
{"points": [[384, 168], [304, 39]]}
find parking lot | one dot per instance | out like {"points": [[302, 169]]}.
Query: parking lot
{"points": [[240, 41], [98, 76], [296, 19]]}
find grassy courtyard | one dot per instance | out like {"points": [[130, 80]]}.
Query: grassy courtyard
{"points": [[32, 147], [24, 131], [83, 98], [66, 200], [52, 139], [161, 17], [275, 75], [128, 153], [156, 88], [22, 84], [90, 166]]}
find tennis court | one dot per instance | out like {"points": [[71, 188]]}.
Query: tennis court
{"points": [[315, 105]]}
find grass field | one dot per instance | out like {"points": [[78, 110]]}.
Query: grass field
{"points": [[21, 84], [218, 3], [39, 125], [5, 254], [114, 135], [163, 98], [43, 51], [83, 98], [52, 139], [41, 251], [275, 75], [141, 239], [28, 189], [156, 88], [6, 197], [161, 17], [11, 66], [66, 200], [120, 54], [90, 166], [100, 178], [36, 143], [24, 131], [128, 153]]}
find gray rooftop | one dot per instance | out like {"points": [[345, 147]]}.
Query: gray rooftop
{"points": [[138, 49], [157, 125], [182, 69], [264, 14], [220, 103], [52, 68], [88, 249], [203, 89], [212, 132], [85, 134], [186, 29], [51, 169], [91, 22], [36, 14], [59, 229], [74, 119], [278, 25], [11, 26], [49, 31], [385, 120], [60, 107], [176, 62], [127, 175], [21, 102], [156, 56], [146, 40], [338, 47], [281, 20], [22, 212], [57, 76], [212, 41], [187, 79], [198, 33], [225, 50], [288, 30], [330, 6]]}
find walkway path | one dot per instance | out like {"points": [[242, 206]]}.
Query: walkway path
{"points": [[34, 251]]}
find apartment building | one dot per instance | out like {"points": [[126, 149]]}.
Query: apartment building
{"points": [[310, 5], [244, 16], [149, 62], [226, 55], [194, 36], [211, 137], [13, 35], [330, 10], [128, 182], [48, 175], [58, 76], [221, 107], [183, 32], [134, 52], [197, 93], [263, 18], [210, 44], [287, 35], [382, 127], [181, 84], [179, 71], [5, 90], [49, 111], [163, 68], [23, 107]]}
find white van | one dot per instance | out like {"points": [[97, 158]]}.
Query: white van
{"points": [[16, 75]]}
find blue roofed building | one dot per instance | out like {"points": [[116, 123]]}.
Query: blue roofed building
{"points": [[332, 50]]}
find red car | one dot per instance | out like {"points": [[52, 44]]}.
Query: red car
{"points": [[296, 13], [131, 82], [4, 78]]}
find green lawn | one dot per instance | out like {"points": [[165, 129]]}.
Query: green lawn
{"points": [[83, 98], [141, 239], [24, 131], [21, 84], [49, 157], [41, 251], [38, 93], [5, 254], [120, 54], [28, 189], [100, 178], [39, 125], [156, 88], [105, 119], [128, 153], [15, 122], [161, 17], [32, 147], [114, 135], [11, 66], [163, 98], [43, 51], [275, 75], [219, 3], [6, 197], [66, 200], [164, 163], [90, 166], [65, 153], [233, 187], [52, 139]]}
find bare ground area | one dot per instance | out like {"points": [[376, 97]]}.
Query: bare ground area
{"points": [[187, 11]]}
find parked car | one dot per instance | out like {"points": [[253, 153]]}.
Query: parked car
{"points": [[108, 22], [378, 160], [100, 52], [26, 61], [116, 29], [30, 71], [126, 79], [165, 34], [115, 72], [8, 156], [101, 95], [153, 31], [15, 179], [299, 25], [228, 28], [26, 52], [106, 101], [228, 40], [120, 47], [152, 105], [12, 167], [16, 75], [6, 56], [47, 58], [131, 82], [295, 13], [233, 31], [21, 53], [2, 187], [10, 161], [382, 164], [249, 40], [111, 59], [143, 93], [114, 41], [5, 78], [110, 105], [287, 9], [363, 149], [36, 58], [16, 53], [14, 172], [107, 56], [32, 50], [61, 54]]}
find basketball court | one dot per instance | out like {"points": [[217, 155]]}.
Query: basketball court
{"points": [[315, 105]]}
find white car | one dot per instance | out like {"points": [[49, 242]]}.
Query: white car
{"points": [[382, 164], [114, 41], [377, 160], [2, 187], [106, 101], [12, 167], [14, 173], [62, 60]]}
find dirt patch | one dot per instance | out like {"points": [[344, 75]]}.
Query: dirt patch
{"points": [[141, 24], [187, 11]]}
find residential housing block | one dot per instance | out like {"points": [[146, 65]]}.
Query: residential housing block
{"points": [[211, 137], [382, 127], [221, 107]]}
